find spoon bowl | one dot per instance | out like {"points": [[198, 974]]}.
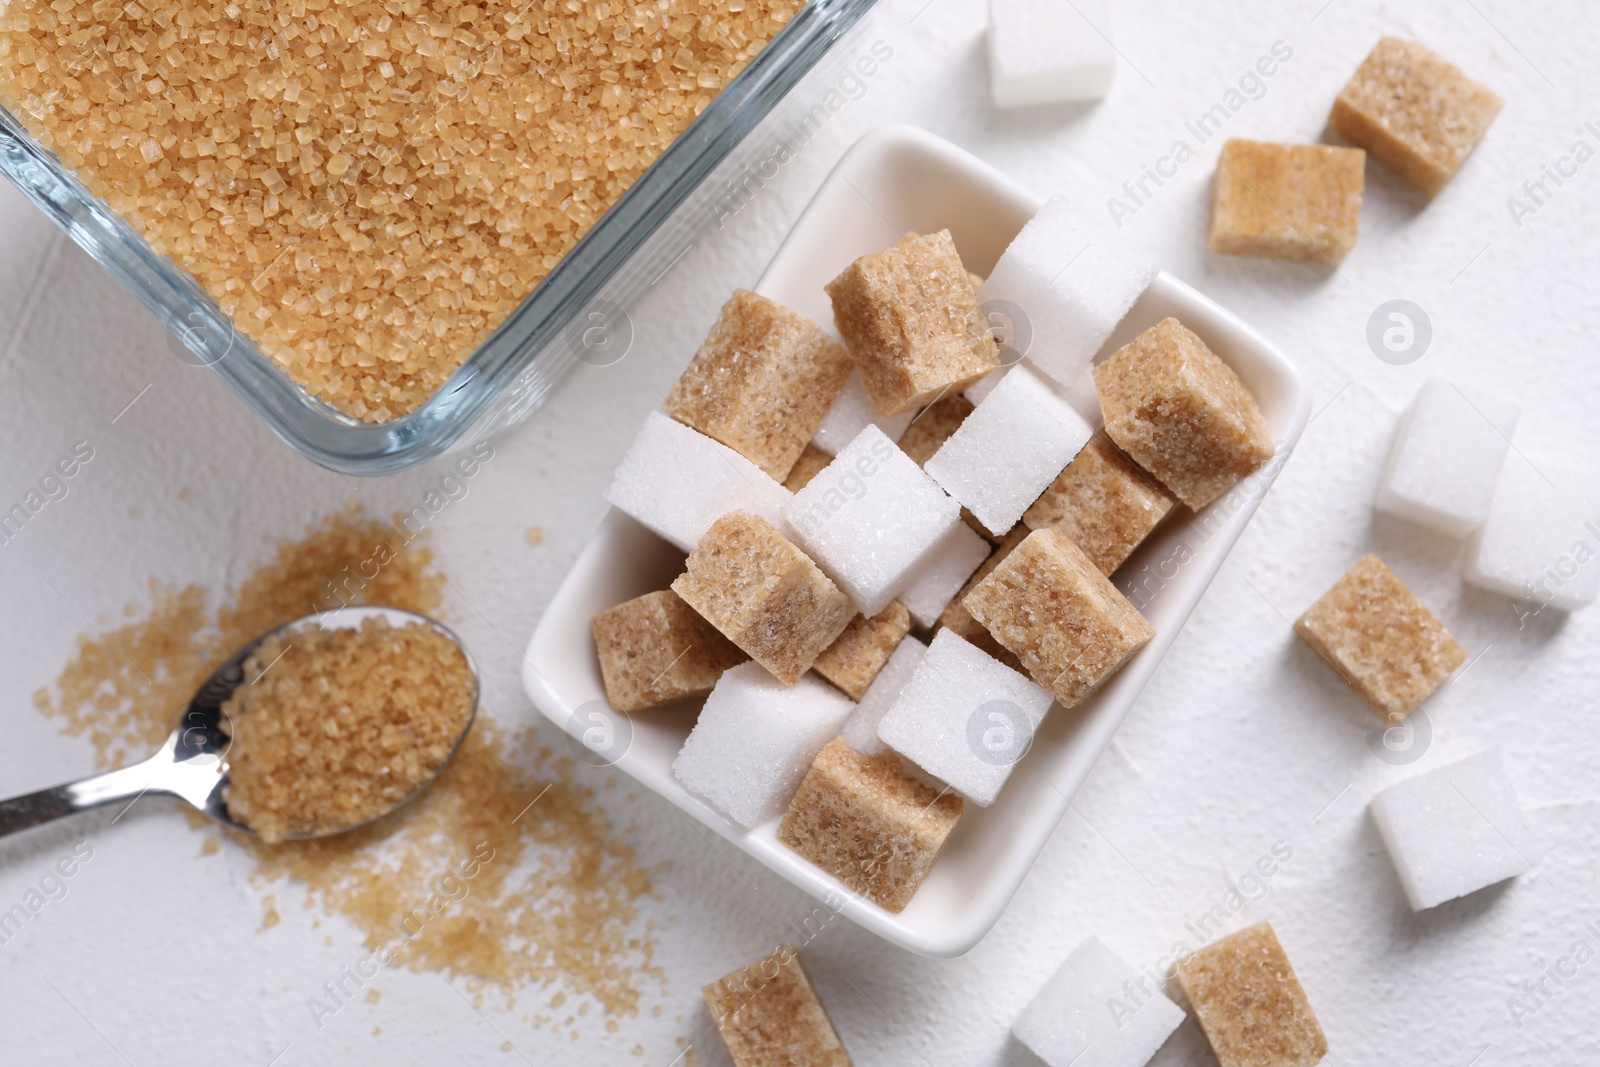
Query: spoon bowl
{"points": [[192, 763]]}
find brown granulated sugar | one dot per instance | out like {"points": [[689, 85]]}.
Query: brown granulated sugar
{"points": [[368, 187], [336, 726], [503, 871]]}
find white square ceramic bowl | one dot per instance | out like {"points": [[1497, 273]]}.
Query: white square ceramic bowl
{"points": [[895, 180]]}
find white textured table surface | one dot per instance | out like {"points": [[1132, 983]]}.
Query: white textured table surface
{"points": [[1244, 740]]}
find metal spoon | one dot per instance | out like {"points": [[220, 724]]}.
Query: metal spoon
{"points": [[192, 764]]}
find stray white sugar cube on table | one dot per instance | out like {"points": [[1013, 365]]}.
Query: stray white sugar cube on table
{"points": [[852, 412], [1059, 290], [1096, 1012], [943, 573], [755, 739], [1009, 449], [1446, 458], [1455, 830], [1541, 542], [870, 518], [860, 730], [678, 481], [965, 717], [1050, 51]]}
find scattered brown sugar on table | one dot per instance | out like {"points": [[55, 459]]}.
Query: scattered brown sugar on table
{"points": [[368, 190], [334, 727]]}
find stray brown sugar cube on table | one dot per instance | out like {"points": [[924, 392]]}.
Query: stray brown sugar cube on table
{"points": [[764, 594], [869, 824], [769, 1016], [1287, 201], [1051, 606], [909, 316], [655, 648], [1250, 1004], [761, 382], [1415, 112], [1181, 413], [1390, 648]]}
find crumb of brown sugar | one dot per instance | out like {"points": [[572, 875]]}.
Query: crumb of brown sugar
{"points": [[373, 996], [552, 899], [269, 911], [336, 726], [536, 535], [210, 845]]}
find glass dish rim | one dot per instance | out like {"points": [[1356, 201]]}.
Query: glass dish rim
{"points": [[527, 341]]}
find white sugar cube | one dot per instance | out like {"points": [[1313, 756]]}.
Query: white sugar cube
{"points": [[1050, 51], [943, 573], [1009, 449], [964, 717], [852, 412], [1454, 830], [1446, 458], [1541, 542], [1065, 285], [678, 482], [860, 730], [1083, 398], [870, 518], [755, 739], [1096, 1012], [978, 390]]}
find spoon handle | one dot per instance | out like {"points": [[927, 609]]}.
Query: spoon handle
{"points": [[48, 805]]}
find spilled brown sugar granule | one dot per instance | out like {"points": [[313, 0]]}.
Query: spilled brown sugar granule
{"points": [[124, 687], [503, 871], [493, 873], [368, 188], [333, 727]]}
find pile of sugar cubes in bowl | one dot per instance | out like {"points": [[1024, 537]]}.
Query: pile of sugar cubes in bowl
{"points": [[895, 544]]}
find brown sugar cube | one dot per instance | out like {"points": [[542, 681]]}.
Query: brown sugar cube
{"points": [[909, 316], [1051, 606], [655, 648], [811, 463], [869, 824], [1104, 502], [769, 1016], [761, 382], [1414, 111], [957, 619], [1181, 413], [763, 594], [934, 426], [1380, 638], [857, 655], [1249, 1002], [1288, 201]]}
